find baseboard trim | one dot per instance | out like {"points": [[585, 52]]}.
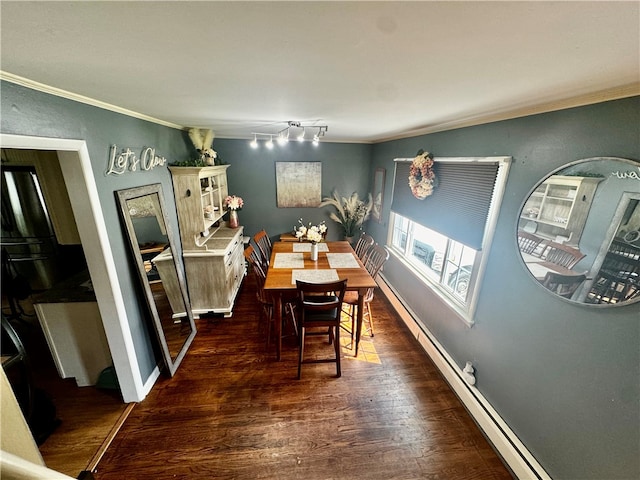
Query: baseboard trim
{"points": [[513, 452]]}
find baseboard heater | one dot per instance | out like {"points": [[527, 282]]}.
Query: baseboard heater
{"points": [[522, 464]]}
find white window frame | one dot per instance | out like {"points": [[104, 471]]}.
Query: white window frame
{"points": [[465, 311]]}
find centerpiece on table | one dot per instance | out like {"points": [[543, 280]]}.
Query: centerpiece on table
{"points": [[233, 204], [350, 212], [311, 233]]}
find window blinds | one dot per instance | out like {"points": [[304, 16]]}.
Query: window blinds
{"points": [[458, 207]]}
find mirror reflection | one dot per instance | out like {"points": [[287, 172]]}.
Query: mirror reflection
{"points": [[579, 232], [144, 215]]}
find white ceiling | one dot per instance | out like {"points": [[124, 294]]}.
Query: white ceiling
{"points": [[371, 71]]}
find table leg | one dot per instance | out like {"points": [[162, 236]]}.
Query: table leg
{"points": [[277, 311], [361, 294]]}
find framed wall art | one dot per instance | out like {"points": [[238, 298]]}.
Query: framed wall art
{"points": [[298, 184], [378, 194]]}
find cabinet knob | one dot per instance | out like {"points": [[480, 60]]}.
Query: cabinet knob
{"points": [[188, 192]]}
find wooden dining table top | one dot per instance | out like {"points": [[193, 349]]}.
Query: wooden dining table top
{"points": [[339, 260], [540, 269]]}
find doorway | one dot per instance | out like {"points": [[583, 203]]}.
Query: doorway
{"points": [[80, 183]]}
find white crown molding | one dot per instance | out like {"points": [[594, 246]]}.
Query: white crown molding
{"points": [[41, 87], [615, 93]]}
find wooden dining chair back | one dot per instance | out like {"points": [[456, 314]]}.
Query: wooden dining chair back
{"points": [[561, 254], [364, 244], [563, 285], [528, 242], [319, 307], [263, 242], [611, 288], [374, 262], [265, 301], [253, 255]]}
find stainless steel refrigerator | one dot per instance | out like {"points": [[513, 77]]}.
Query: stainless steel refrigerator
{"points": [[28, 241]]}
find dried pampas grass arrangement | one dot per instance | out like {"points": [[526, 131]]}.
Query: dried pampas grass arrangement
{"points": [[201, 138]]}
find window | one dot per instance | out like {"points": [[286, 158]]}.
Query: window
{"points": [[445, 238], [444, 261]]}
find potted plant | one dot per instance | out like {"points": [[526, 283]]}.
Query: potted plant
{"points": [[350, 212]]}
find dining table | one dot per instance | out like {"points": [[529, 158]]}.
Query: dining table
{"points": [[539, 267], [291, 261]]}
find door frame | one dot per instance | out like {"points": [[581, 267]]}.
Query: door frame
{"points": [[78, 176]]}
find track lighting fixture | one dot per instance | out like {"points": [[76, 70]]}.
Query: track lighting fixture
{"points": [[282, 137]]}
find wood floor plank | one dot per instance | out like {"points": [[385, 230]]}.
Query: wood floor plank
{"points": [[233, 412]]}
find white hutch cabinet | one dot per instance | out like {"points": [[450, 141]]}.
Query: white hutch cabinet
{"points": [[559, 207], [213, 252]]}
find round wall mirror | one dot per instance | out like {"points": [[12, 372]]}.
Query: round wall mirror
{"points": [[579, 232]]}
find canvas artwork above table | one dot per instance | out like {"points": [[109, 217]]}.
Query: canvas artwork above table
{"points": [[291, 261]]}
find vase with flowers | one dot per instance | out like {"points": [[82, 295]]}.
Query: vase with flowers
{"points": [[350, 212], [233, 204], [311, 233]]}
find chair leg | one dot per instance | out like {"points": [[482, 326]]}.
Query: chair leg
{"points": [[370, 318], [337, 347], [268, 312], [300, 350], [354, 317]]}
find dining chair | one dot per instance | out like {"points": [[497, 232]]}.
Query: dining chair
{"points": [[528, 242], [262, 240], [563, 285], [374, 262], [265, 301], [561, 254], [611, 288], [319, 307], [364, 244], [253, 255]]}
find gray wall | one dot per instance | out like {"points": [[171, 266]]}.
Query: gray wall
{"points": [[28, 112], [564, 377], [251, 175]]}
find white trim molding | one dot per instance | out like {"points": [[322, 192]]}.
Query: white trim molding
{"points": [[513, 452], [85, 202], [41, 87]]}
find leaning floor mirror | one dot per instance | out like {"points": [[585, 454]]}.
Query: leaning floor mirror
{"points": [[144, 216]]}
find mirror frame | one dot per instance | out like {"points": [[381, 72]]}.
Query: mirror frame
{"points": [[136, 192], [609, 233]]}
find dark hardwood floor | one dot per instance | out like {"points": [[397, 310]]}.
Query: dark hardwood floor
{"points": [[233, 412], [85, 415]]}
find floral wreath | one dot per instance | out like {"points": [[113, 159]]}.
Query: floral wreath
{"points": [[422, 179]]}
